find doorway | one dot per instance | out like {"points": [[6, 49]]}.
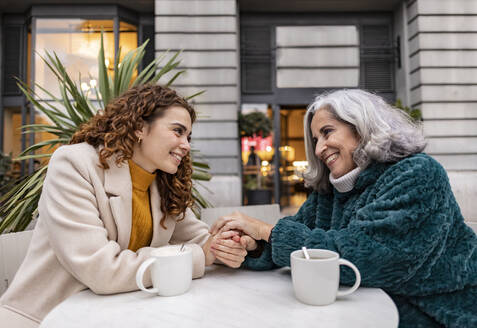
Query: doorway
{"points": [[292, 158]]}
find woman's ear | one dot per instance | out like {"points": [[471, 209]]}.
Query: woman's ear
{"points": [[140, 134]]}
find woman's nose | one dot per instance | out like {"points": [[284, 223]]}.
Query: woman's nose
{"points": [[320, 147], [185, 145]]}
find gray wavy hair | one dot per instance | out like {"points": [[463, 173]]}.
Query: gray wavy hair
{"points": [[387, 134]]}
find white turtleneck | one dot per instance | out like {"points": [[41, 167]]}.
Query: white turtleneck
{"points": [[346, 182]]}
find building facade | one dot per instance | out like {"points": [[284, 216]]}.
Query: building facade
{"points": [[276, 56]]}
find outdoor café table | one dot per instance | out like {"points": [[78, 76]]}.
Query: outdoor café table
{"points": [[225, 297]]}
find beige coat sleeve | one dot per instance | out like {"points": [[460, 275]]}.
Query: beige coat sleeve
{"points": [[68, 206]]}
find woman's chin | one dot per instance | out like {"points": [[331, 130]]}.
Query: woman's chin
{"points": [[336, 174]]}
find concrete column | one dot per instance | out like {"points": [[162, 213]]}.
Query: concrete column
{"points": [[443, 73], [207, 33]]}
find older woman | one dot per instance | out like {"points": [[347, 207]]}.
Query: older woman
{"points": [[380, 203], [120, 190]]}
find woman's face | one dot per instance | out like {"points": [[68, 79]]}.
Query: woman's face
{"points": [[165, 141], [335, 143]]}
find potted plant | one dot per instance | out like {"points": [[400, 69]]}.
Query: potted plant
{"points": [[6, 176], [251, 125], [414, 113], [19, 203], [255, 124], [256, 193]]}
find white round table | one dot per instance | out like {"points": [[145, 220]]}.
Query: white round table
{"points": [[225, 297]]}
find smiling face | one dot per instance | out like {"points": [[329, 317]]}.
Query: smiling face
{"points": [[335, 142], [164, 142]]}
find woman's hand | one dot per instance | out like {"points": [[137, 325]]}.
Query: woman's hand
{"points": [[209, 256], [228, 250], [225, 247], [248, 242], [238, 221]]}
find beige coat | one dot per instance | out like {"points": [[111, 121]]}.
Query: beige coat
{"points": [[82, 235]]}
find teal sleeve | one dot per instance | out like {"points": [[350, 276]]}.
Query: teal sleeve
{"points": [[264, 262]]}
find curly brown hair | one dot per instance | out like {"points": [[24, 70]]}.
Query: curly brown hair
{"points": [[114, 129]]}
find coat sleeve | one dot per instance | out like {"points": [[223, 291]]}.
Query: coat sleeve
{"points": [[195, 234], [400, 230], [265, 262], [68, 207]]}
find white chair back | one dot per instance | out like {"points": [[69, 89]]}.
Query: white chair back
{"points": [[268, 213], [13, 248]]}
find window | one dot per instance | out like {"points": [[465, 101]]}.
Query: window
{"points": [[317, 56], [76, 42]]}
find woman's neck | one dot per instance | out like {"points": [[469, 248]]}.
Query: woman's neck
{"points": [[346, 182]]}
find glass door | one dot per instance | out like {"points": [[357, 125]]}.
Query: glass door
{"points": [[292, 158], [257, 135]]}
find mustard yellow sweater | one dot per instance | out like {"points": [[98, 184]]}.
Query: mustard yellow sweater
{"points": [[141, 227]]}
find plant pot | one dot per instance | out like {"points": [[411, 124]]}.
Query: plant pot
{"points": [[259, 196]]}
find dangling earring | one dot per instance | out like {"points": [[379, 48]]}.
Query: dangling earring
{"points": [[139, 140]]}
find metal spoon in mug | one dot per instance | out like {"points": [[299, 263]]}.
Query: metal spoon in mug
{"points": [[182, 248], [305, 252]]}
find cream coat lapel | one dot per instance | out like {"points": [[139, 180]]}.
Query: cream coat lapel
{"points": [[117, 183]]}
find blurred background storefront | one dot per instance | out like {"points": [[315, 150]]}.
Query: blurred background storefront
{"points": [[73, 34], [271, 56], [286, 61]]}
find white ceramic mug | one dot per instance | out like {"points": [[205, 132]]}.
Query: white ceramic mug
{"points": [[171, 271], [316, 281]]}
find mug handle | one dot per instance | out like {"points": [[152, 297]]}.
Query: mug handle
{"points": [[358, 278], [140, 275]]}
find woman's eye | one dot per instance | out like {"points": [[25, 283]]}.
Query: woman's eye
{"points": [[178, 131], [326, 132], [315, 141]]}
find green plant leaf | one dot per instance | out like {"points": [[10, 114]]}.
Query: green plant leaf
{"points": [[41, 144], [170, 65], [195, 95], [255, 123], [103, 78], [174, 77], [26, 157], [205, 176], [414, 113], [19, 203]]}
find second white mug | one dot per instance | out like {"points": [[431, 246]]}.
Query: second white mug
{"points": [[316, 281]]}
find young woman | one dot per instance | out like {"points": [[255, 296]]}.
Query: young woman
{"points": [[380, 203], [119, 190]]}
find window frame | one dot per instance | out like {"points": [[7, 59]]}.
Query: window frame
{"points": [[291, 96], [115, 13]]}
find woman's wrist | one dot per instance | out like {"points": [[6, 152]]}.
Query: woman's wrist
{"points": [[266, 231], [209, 256], [257, 252]]}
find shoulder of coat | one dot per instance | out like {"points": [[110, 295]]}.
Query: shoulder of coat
{"points": [[76, 152]]}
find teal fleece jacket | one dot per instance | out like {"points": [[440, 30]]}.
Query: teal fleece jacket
{"points": [[402, 227]]}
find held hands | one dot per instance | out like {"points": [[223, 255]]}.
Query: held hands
{"points": [[226, 247], [232, 236], [248, 242], [254, 228]]}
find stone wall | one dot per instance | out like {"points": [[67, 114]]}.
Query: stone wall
{"points": [[207, 33], [442, 52]]}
